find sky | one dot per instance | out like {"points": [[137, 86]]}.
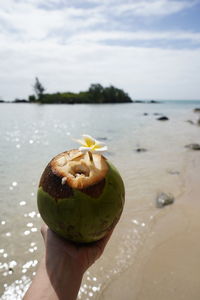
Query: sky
{"points": [[148, 48]]}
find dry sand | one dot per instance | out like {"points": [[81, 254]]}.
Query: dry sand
{"points": [[168, 265]]}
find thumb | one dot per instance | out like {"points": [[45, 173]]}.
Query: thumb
{"points": [[43, 230]]}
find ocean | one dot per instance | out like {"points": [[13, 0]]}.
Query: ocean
{"points": [[31, 134]]}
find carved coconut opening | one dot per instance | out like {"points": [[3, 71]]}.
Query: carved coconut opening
{"points": [[77, 170]]}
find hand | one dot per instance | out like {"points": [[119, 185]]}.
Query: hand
{"points": [[79, 257], [61, 270]]}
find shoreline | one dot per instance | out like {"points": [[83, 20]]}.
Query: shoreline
{"points": [[168, 265], [72, 103]]}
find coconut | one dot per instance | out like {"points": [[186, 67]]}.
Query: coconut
{"points": [[80, 196]]}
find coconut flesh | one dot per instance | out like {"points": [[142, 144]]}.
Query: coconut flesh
{"points": [[80, 197], [80, 170]]}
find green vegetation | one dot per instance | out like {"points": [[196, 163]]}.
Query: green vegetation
{"points": [[95, 94]]}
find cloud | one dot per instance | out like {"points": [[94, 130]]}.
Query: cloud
{"points": [[28, 21], [70, 48], [39, 19], [122, 36], [153, 8], [144, 7], [142, 72]]}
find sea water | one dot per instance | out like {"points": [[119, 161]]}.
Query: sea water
{"points": [[31, 134]]}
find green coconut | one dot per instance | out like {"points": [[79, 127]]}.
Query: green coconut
{"points": [[80, 197]]}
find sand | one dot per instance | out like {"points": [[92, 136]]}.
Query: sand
{"points": [[168, 265]]}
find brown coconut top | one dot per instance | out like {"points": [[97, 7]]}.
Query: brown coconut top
{"points": [[79, 170]]}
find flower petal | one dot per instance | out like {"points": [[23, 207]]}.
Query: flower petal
{"points": [[88, 143], [100, 143], [88, 140], [105, 148], [84, 149]]}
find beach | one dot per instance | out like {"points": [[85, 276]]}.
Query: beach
{"points": [[153, 252], [168, 265]]}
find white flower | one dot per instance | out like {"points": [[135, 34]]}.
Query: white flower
{"points": [[88, 143]]}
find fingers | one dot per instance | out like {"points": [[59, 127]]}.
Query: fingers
{"points": [[51, 239], [103, 242], [106, 238], [55, 243], [98, 247]]}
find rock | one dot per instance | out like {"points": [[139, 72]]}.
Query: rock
{"points": [[11, 270], [173, 172], [138, 101], [20, 101], [163, 118], [194, 123], [145, 114], [193, 146], [102, 138], [190, 121], [141, 150], [164, 199], [197, 110], [157, 114], [153, 101]]}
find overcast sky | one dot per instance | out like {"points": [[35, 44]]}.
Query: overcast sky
{"points": [[149, 48]]}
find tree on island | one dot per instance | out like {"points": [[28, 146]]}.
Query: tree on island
{"points": [[38, 88], [96, 91], [109, 94]]}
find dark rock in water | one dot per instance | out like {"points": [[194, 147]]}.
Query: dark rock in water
{"points": [[163, 118], [153, 101], [102, 139], [164, 199], [190, 121], [138, 101], [141, 150], [11, 270], [145, 114], [197, 110], [194, 123], [193, 146], [157, 114], [20, 101]]}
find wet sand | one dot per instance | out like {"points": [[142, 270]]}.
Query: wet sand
{"points": [[168, 265]]}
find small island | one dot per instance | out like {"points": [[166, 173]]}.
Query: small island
{"points": [[95, 94]]}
